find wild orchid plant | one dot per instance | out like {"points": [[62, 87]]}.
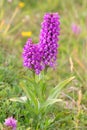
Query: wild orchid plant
{"points": [[38, 58]]}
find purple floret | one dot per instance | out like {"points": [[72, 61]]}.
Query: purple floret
{"points": [[11, 122]]}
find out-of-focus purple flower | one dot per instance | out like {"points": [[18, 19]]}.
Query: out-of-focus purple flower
{"points": [[49, 38], [76, 29], [32, 57], [11, 122]]}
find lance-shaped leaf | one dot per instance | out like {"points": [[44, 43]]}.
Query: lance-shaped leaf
{"points": [[31, 96], [54, 93], [50, 102]]}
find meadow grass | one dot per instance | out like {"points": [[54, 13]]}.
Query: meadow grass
{"points": [[71, 114]]}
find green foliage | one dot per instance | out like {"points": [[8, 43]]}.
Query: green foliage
{"points": [[38, 102], [38, 105]]}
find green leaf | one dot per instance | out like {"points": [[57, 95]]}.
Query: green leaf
{"points": [[56, 91], [51, 102], [31, 96], [19, 99]]}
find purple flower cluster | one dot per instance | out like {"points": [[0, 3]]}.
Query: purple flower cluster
{"points": [[11, 122], [49, 38], [32, 56], [44, 54]]}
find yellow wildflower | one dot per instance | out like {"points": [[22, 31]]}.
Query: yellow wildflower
{"points": [[21, 4], [26, 34]]}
